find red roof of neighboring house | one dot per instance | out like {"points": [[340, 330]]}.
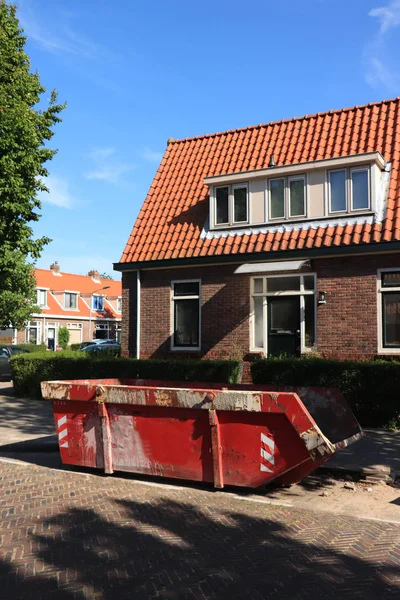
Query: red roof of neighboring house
{"points": [[176, 208], [84, 285]]}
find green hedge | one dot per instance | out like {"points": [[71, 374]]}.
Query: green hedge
{"points": [[34, 347], [29, 370], [74, 346], [372, 388]]}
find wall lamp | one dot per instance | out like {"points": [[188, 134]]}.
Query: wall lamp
{"points": [[321, 297]]}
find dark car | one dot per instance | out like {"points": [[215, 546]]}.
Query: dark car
{"points": [[97, 343], [113, 348], [6, 351]]}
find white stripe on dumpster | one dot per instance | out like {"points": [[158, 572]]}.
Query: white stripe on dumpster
{"points": [[64, 445], [62, 420], [62, 434], [267, 454], [62, 431]]}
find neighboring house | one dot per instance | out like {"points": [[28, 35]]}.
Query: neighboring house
{"points": [[78, 302], [278, 238]]}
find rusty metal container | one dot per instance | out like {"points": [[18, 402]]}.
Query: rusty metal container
{"points": [[225, 434]]}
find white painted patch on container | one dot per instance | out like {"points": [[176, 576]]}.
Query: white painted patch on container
{"points": [[127, 447]]}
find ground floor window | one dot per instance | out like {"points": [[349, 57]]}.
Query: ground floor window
{"points": [[33, 332], [186, 315], [118, 334], [389, 303], [101, 331], [283, 314]]}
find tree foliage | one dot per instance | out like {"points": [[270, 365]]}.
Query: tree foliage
{"points": [[25, 129]]}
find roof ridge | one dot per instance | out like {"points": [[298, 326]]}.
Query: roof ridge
{"points": [[76, 275], [281, 121]]}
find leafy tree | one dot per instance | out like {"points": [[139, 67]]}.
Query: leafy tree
{"points": [[25, 129], [63, 337]]}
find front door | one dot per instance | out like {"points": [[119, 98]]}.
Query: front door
{"points": [[51, 338], [284, 326]]}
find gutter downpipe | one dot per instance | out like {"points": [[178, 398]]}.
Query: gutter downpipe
{"points": [[138, 288]]}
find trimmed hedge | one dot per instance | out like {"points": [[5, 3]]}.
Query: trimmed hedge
{"points": [[74, 346], [371, 387], [29, 370], [34, 347]]}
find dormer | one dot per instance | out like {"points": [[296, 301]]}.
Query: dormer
{"points": [[333, 188]]}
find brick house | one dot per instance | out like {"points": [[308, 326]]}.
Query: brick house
{"points": [[282, 237], [88, 306]]}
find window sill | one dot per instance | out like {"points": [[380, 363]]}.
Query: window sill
{"points": [[185, 349]]}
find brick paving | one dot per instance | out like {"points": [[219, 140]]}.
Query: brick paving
{"points": [[72, 536]]}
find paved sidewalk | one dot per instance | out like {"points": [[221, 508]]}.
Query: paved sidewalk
{"points": [[79, 537], [377, 455], [23, 420]]}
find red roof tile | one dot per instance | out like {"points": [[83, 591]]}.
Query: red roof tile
{"points": [[176, 207]]}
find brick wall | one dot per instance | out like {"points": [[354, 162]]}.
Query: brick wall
{"points": [[346, 324]]}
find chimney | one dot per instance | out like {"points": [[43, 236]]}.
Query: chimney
{"points": [[55, 267], [94, 274]]}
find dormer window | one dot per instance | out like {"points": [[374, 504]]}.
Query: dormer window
{"points": [[231, 204], [349, 190], [70, 300], [98, 303], [41, 297], [329, 188], [287, 197]]}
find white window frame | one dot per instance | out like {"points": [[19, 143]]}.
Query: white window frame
{"points": [[302, 178], [286, 198], [38, 291], [346, 181], [227, 223], [231, 206], [97, 296], [71, 294], [380, 290], [349, 191], [302, 292], [269, 211], [38, 327], [354, 170], [119, 305], [172, 314], [239, 186]]}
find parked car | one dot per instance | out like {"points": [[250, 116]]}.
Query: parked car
{"points": [[97, 343], [6, 351], [113, 348]]}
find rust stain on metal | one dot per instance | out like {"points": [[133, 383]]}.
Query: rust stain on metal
{"points": [[163, 397], [55, 390]]}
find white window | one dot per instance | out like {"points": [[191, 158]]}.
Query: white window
{"points": [[359, 183], [70, 300], [283, 318], [231, 204], [41, 297], [186, 315], [119, 305], [98, 303], [349, 190], [287, 197], [118, 334], [101, 331], [389, 310], [33, 332]]}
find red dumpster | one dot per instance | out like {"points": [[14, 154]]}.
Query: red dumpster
{"points": [[225, 434]]}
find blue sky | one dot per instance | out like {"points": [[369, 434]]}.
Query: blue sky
{"points": [[135, 73]]}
